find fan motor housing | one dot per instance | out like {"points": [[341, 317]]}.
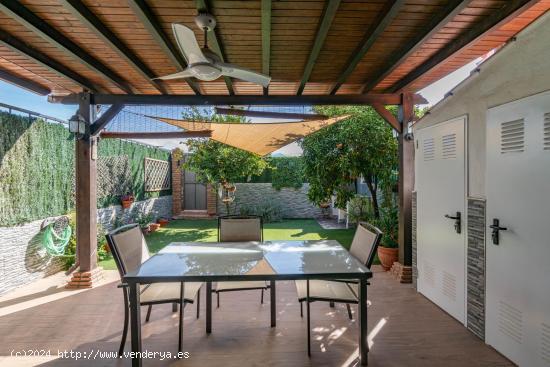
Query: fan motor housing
{"points": [[205, 20]]}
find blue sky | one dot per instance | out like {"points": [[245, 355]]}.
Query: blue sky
{"points": [[12, 95]]}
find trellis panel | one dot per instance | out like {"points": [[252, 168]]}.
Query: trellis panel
{"points": [[157, 175], [114, 176]]}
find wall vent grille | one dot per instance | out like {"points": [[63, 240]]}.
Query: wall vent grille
{"points": [[545, 343], [429, 274], [449, 285], [512, 134], [510, 321], [546, 131], [448, 150], [429, 149]]}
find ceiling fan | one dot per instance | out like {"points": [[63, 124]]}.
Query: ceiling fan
{"points": [[203, 63]]}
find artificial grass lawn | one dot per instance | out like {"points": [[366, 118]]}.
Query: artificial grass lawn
{"points": [[207, 231]]}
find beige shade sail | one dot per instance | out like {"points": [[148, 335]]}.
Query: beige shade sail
{"points": [[257, 138]]}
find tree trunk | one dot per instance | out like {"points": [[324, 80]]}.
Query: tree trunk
{"points": [[372, 190]]}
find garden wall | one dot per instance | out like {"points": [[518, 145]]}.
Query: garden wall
{"points": [[24, 260], [293, 202]]}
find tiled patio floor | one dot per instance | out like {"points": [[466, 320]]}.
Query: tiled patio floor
{"points": [[406, 330]]}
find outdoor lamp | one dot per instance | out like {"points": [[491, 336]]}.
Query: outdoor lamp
{"points": [[77, 125]]}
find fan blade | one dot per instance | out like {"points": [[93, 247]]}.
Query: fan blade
{"points": [[244, 74], [187, 42], [179, 75]]}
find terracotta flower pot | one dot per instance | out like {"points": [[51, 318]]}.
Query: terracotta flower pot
{"points": [[126, 204], [163, 222], [387, 256], [153, 227]]}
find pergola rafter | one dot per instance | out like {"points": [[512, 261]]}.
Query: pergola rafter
{"points": [[87, 17], [509, 10], [373, 33], [33, 22], [151, 24]]}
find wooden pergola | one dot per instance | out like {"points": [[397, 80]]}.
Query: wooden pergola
{"points": [[378, 53]]}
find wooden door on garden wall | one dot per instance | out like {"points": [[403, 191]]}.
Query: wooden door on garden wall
{"points": [[194, 193]]}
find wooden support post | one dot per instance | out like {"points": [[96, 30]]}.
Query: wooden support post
{"points": [[86, 202], [406, 184]]}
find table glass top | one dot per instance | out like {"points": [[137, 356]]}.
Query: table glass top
{"points": [[248, 259]]}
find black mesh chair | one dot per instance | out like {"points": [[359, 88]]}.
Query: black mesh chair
{"points": [[129, 251], [240, 228]]}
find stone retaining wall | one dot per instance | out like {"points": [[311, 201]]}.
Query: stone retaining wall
{"points": [[293, 202], [24, 260]]}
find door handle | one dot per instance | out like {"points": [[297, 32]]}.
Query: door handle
{"points": [[496, 229], [458, 221]]}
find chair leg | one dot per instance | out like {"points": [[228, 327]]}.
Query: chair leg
{"points": [[175, 307], [301, 309], [125, 329], [262, 298], [198, 303], [180, 339], [349, 311], [148, 313], [308, 322], [218, 299], [331, 304]]}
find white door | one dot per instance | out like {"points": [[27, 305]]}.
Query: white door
{"points": [[440, 187], [518, 195]]}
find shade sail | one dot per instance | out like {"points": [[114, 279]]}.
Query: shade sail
{"points": [[259, 138]]}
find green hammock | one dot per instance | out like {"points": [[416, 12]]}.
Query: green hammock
{"points": [[56, 236]]}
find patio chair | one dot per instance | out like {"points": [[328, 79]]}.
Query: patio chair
{"points": [[129, 251], [240, 228], [363, 248]]}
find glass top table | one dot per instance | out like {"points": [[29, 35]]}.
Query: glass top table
{"points": [[240, 261]]}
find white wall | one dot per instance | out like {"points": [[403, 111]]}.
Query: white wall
{"points": [[520, 69]]}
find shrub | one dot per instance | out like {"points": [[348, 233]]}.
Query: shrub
{"points": [[270, 211]]}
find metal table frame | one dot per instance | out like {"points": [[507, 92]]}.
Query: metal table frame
{"points": [[135, 312]]}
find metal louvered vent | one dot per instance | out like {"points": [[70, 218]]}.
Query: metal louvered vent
{"points": [[429, 149], [448, 150], [449, 285], [512, 135], [545, 343], [546, 131], [510, 321]]}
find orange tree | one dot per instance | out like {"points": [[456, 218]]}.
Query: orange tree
{"points": [[362, 146]]}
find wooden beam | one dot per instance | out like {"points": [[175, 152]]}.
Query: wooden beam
{"points": [[21, 47], [155, 135], [497, 18], [437, 22], [33, 22], [266, 38], [153, 27], [105, 118], [86, 192], [387, 116], [24, 83], [373, 33], [241, 100], [203, 6], [406, 180], [269, 114], [331, 7], [88, 18]]}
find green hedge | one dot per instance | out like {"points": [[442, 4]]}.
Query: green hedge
{"points": [[37, 169], [284, 172]]}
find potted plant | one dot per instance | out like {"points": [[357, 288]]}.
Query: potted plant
{"points": [[127, 200], [163, 221], [144, 220], [389, 225]]}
